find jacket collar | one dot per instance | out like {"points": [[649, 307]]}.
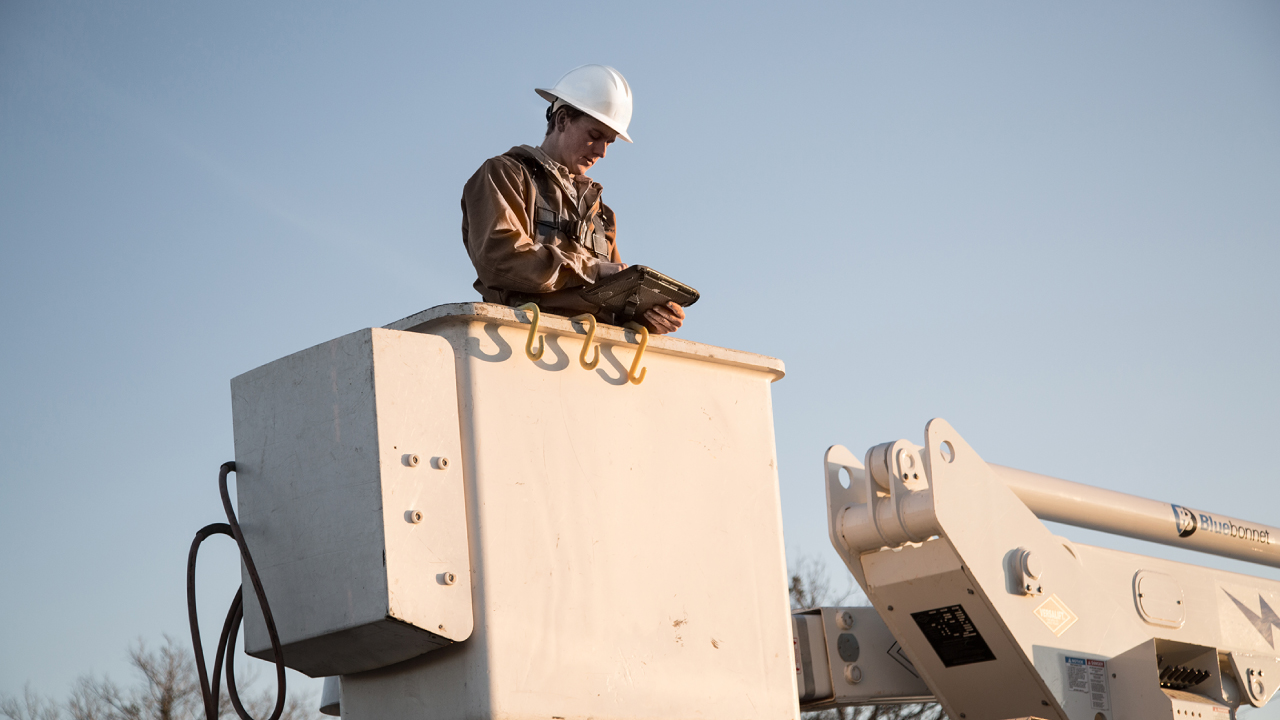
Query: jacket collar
{"points": [[559, 171]]}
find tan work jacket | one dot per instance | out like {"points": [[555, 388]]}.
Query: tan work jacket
{"points": [[532, 234]]}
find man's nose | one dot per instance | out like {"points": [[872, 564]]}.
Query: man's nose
{"points": [[599, 149]]}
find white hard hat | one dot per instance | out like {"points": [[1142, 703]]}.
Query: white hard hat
{"points": [[597, 90]]}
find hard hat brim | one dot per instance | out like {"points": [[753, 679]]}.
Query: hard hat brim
{"points": [[549, 96]]}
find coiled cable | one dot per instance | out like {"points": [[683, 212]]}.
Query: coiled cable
{"points": [[209, 691]]}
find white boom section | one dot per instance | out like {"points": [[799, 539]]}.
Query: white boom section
{"points": [[1004, 619], [847, 656], [1119, 513]]}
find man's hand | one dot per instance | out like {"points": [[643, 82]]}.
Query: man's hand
{"points": [[663, 319]]}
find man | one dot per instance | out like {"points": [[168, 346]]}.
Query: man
{"points": [[533, 222]]}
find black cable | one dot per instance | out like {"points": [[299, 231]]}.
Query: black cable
{"points": [[231, 626]]}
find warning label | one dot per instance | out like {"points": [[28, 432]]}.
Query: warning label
{"points": [[1089, 676], [953, 636]]}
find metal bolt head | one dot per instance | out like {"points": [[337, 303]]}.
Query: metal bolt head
{"points": [[410, 460], [442, 463], [852, 674], [449, 578], [844, 619], [413, 516]]}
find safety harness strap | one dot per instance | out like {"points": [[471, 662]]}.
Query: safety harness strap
{"points": [[588, 233]]}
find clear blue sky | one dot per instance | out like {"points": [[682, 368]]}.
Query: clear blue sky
{"points": [[1055, 225]]}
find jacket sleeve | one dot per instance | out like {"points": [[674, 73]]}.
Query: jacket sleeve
{"points": [[500, 240]]}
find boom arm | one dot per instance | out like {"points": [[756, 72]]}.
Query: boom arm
{"points": [[1004, 619], [1122, 514]]}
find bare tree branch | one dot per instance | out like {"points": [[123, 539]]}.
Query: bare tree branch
{"points": [[811, 585], [32, 706], [168, 689], [172, 690]]}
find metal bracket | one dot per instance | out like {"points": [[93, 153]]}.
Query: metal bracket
{"points": [[1028, 569], [1251, 673], [841, 499]]}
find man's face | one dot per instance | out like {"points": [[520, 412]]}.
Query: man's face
{"points": [[584, 141]]}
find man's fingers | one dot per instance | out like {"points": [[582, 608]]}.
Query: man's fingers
{"points": [[660, 323], [673, 314], [664, 320]]}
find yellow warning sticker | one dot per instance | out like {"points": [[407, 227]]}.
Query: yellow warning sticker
{"points": [[1056, 615]]}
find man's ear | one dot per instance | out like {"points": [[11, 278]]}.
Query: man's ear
{"points": [[563, 120]]}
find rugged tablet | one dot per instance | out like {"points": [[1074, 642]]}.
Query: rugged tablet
{"points": [[629, 293]]}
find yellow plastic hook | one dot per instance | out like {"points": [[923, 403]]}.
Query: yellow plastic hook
{"points": [[643, 332], [590, 321], [533, 331]]}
